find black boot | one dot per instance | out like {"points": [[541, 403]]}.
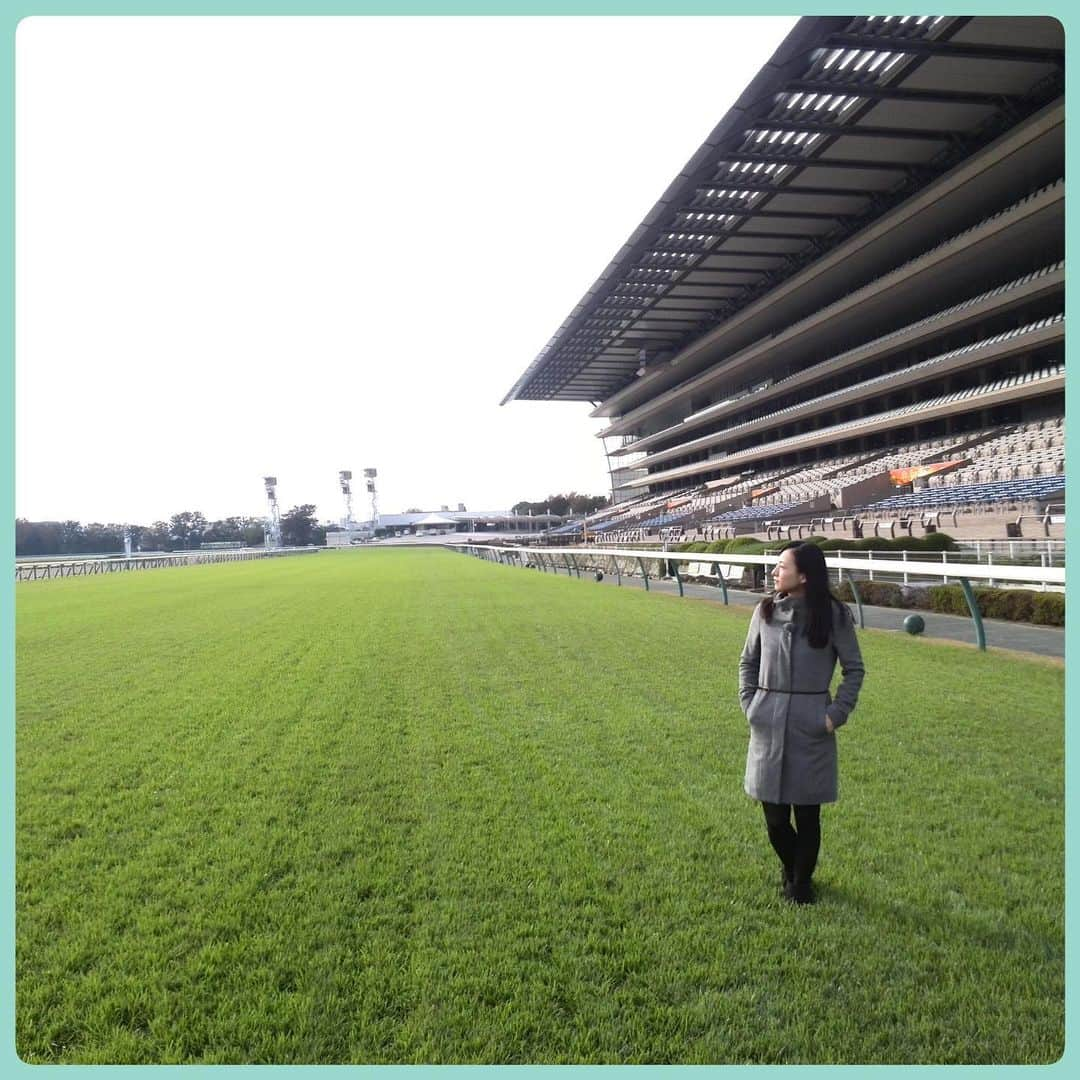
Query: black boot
{"points": [[802, 892], [787, 882]]}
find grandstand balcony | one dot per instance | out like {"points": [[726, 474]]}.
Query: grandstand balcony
{"points": [[1013, 388], [852, 275], [1013, 343], [1043, 284]]}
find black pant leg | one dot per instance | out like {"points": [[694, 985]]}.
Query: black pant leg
{"points": [[781, 834], [808, 843]]}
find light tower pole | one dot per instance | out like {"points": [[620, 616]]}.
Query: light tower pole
{"points": [[345, 479], [369, 476], [272, 529]]}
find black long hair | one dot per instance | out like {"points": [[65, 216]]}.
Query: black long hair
{"points": [[820, 600]]}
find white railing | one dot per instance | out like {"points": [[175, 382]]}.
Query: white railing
{"points": [[925, 566], [58, 568]]}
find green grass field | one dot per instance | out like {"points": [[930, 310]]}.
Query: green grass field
{"points": [[407, 806]]}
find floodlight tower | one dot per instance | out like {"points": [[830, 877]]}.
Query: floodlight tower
{"points": [[369, 476], [272, 529], [345, 478]]}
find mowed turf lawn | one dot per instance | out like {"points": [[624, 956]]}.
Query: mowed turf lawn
{"points": [[408, 806]]}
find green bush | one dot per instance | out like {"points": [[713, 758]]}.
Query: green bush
{"points": [[1048, 608], [740, 542], [938, 541], [932, 542], [881, 593], [717, 547], [915, 596], [1014, 605], [948, 599], [872, 543], [878, 593], [1022, 606]]}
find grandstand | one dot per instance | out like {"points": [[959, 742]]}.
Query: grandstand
{"points": [[850, 302]]}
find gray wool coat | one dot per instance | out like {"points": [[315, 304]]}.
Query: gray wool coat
{"points": [[792, 756]]}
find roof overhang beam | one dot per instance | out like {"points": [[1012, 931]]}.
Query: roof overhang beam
{"points": [[894, 93], [951, 49]]}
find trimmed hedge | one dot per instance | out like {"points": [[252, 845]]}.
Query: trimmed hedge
{"points": [[1012, 605], [948, 599], [931, 542], [1048, 608], [878, 593]]}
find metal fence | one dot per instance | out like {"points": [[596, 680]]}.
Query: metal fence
{"points": [[908, 566], [853, 565], [46, 571]]}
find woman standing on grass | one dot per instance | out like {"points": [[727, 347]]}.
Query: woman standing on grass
{"points": [[795, 638]]}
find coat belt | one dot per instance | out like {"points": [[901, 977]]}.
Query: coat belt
{"points": [[773, 690]]}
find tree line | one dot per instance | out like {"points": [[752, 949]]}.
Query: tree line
{"points": [[182, 532], [191, 529], [570, 505]]}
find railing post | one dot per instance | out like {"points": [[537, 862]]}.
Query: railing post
{"points": [[722, 582], [858, 601], [678, 577], [576, 569], [566, 563], [644, 572], [976, 616]]}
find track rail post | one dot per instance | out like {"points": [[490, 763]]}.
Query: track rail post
{"points": [[976, 615], [644, 572], [858, 601]]}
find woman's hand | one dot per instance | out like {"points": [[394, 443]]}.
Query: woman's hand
{"points": [[829, 724]]}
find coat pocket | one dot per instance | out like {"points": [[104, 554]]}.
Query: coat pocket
{"points": [[755, 704]]}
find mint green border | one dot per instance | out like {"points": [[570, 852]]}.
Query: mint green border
{"points": [[10, 15]]}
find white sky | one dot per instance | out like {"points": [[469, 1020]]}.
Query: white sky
{"points": [[290, 246]]}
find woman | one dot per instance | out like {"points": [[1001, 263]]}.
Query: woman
{"points": [[795, 638]]}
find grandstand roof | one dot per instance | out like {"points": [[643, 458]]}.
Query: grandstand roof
{"points": [[851, 117]]}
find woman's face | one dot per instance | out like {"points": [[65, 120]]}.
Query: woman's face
{"points": [[786, 578]]}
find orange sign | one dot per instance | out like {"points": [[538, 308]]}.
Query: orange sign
{"points": [[899, 477], [758, 492]]}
